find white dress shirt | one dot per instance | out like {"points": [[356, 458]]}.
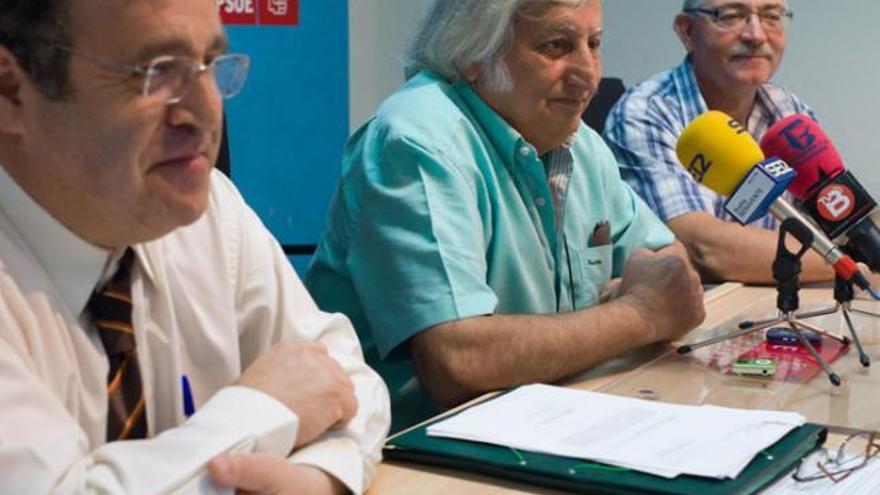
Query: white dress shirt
{"points": [[208, 299]]}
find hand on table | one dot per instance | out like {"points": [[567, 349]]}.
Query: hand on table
{"points": [[304, 377]]}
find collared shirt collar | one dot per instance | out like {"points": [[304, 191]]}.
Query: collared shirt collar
{"points": [[504, 137], [690, 99], [693, 104], [74, 265]]}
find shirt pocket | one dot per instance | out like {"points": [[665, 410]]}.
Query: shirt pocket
{"points": [[595, 271]]}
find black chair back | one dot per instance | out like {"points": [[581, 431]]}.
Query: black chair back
{"points": [[223, 164], [609, 91]]}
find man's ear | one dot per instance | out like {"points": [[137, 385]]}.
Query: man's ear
{"points": [[684, 28], [11, 78], [471, 73]]}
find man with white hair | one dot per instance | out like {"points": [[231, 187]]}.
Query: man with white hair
{"points": [[733, 49], [478, 220]]}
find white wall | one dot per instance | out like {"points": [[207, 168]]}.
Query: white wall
{"points": [[378, 33], [832, 63], [830, 60]]}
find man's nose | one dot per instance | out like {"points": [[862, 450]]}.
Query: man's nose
{"points": [[753, 31], [585, 68], [201, 106]]}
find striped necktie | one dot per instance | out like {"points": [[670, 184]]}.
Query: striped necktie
{"points": [[111, 314]]}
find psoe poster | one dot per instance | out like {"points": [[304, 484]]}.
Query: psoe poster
{"points": [[288, 127]]}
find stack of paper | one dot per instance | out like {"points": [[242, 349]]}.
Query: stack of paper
{"points": [[662, 439]]}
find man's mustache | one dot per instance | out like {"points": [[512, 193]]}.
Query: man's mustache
{"points": [[741, 50]]}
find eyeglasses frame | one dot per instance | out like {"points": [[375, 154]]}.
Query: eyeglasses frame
{"points": [[872, 449], [147, 71], [715, 16]]}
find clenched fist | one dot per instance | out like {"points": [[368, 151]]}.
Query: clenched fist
{"points": [[666, 291]]}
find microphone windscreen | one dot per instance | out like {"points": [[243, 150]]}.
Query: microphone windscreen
{"points": [[717, 151], [799, 141]]}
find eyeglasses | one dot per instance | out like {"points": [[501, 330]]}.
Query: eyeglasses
{"points": [[736, 18], [168, 78], [854, 453]]}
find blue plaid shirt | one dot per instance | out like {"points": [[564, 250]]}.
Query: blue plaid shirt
{"points": [[644, 126]]}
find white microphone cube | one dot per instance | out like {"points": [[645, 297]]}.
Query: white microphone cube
{"points": [[761, 187]]}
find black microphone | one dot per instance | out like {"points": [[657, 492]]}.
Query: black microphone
{"points": [[827, 192]]}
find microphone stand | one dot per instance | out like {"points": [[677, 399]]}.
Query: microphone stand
{"points": [[843, 297], [786, 268]]}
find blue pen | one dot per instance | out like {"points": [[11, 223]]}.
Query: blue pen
{"points": [[189, 407]]}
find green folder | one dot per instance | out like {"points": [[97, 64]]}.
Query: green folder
{"points": [[578, 476]]}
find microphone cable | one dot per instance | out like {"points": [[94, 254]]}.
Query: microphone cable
{"points": [[859, 279]]}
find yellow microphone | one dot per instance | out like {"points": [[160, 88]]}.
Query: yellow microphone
{"points": [[718, 152]]}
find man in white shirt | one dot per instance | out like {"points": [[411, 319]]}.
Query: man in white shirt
{"points": [[110, 117]]}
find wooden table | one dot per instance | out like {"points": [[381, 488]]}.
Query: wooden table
{"points": [[683, 380]]}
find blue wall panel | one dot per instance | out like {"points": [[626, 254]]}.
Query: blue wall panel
{"points": [[300, 263], [287, 129]]}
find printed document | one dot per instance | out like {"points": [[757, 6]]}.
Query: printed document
{"points": [[658, 438]]}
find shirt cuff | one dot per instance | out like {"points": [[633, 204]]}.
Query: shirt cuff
{"points": [[251, 413], [412, 320], [235, 420], [339, 456]]}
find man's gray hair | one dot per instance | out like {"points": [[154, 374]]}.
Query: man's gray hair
{"points": [[456, 34]]}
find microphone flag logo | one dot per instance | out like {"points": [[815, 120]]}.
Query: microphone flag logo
{"points": [[835, 202]]}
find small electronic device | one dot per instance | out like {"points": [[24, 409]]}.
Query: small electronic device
{"points": [[788, 336], [758, 366]]}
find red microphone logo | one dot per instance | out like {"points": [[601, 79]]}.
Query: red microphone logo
{"points": [[835, 202]]}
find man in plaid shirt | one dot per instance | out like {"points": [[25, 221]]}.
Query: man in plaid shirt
{"points": [[734, 48]]}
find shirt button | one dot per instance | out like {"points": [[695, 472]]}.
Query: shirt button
{"points": [[524, 151], [540, 201]]}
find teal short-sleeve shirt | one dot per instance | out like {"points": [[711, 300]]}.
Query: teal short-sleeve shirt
{"points": [[444, 212]]}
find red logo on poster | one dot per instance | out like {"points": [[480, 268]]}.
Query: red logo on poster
{"points": [[238, 11], [259, 12], [283, 12]]}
